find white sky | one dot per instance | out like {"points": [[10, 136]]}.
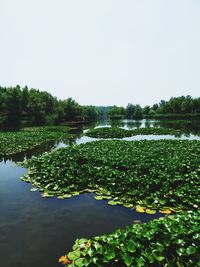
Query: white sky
{"points": [[102, 52]]}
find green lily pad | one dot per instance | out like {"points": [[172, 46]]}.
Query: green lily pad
{"points": [[149, 211], [75, 193], [112, 203], [98, 197], [127, 205], [45, 195]]}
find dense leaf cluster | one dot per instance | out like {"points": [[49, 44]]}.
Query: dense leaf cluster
{"points": [[116, 132], [28, 138], [154, 174], [169, 241]]}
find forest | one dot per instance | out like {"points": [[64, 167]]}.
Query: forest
{"points": [[183, 107], [34, 107], [29, 107]]}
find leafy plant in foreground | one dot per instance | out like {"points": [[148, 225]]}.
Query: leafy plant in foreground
{"points": [[170, 241]]}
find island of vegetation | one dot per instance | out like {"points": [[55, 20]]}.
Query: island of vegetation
{"points": [[116, 132], [150, 176], [29, 138]]}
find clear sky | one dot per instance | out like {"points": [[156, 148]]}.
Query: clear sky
{"points": [[102, 52]]}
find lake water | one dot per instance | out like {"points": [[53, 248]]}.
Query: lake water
{"points": [[35, 231]]}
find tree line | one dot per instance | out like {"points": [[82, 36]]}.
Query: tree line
{"points": [[33, 107], [183, 106]]}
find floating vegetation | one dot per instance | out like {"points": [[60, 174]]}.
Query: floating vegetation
{"points": [[116, 132], [63, 129], [147, 175], [33, 189], [151, 175], [29, 138], [172, 241]]}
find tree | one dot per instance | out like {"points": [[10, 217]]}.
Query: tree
{"points": [[146, 110], [72, 110], [90, 113], [130, 109], [138, 112], [116, 112]]}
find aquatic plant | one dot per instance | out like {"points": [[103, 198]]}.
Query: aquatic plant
{"points": [[59, 129], [116, 132], [152, 174], [168, 242], [28, 138]]}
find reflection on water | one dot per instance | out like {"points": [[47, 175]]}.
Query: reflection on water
{"points": [[187, 127], [35, 231]]}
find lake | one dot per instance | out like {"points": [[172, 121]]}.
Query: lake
{"points": [[36, 231]]}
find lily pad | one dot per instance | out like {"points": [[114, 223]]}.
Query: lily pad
{"points": [[33, 189], [127, 205], [75, 193], [112, 203], [98, 197], [149, 211], [140, 209], [165, 211], [45, 194]]}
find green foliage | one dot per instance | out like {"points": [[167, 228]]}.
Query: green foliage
{"points": [[108, 132], [116, 112], [28, 138], [115, 132], [36, 107], [155, 174], [176, 107], [72, 110], [55, 129], [90, 113], [179, 105], [134, 111], [33, 107], [171, 241]]}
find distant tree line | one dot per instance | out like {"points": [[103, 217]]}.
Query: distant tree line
{"points": [[34, 107], [183, 106]]}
